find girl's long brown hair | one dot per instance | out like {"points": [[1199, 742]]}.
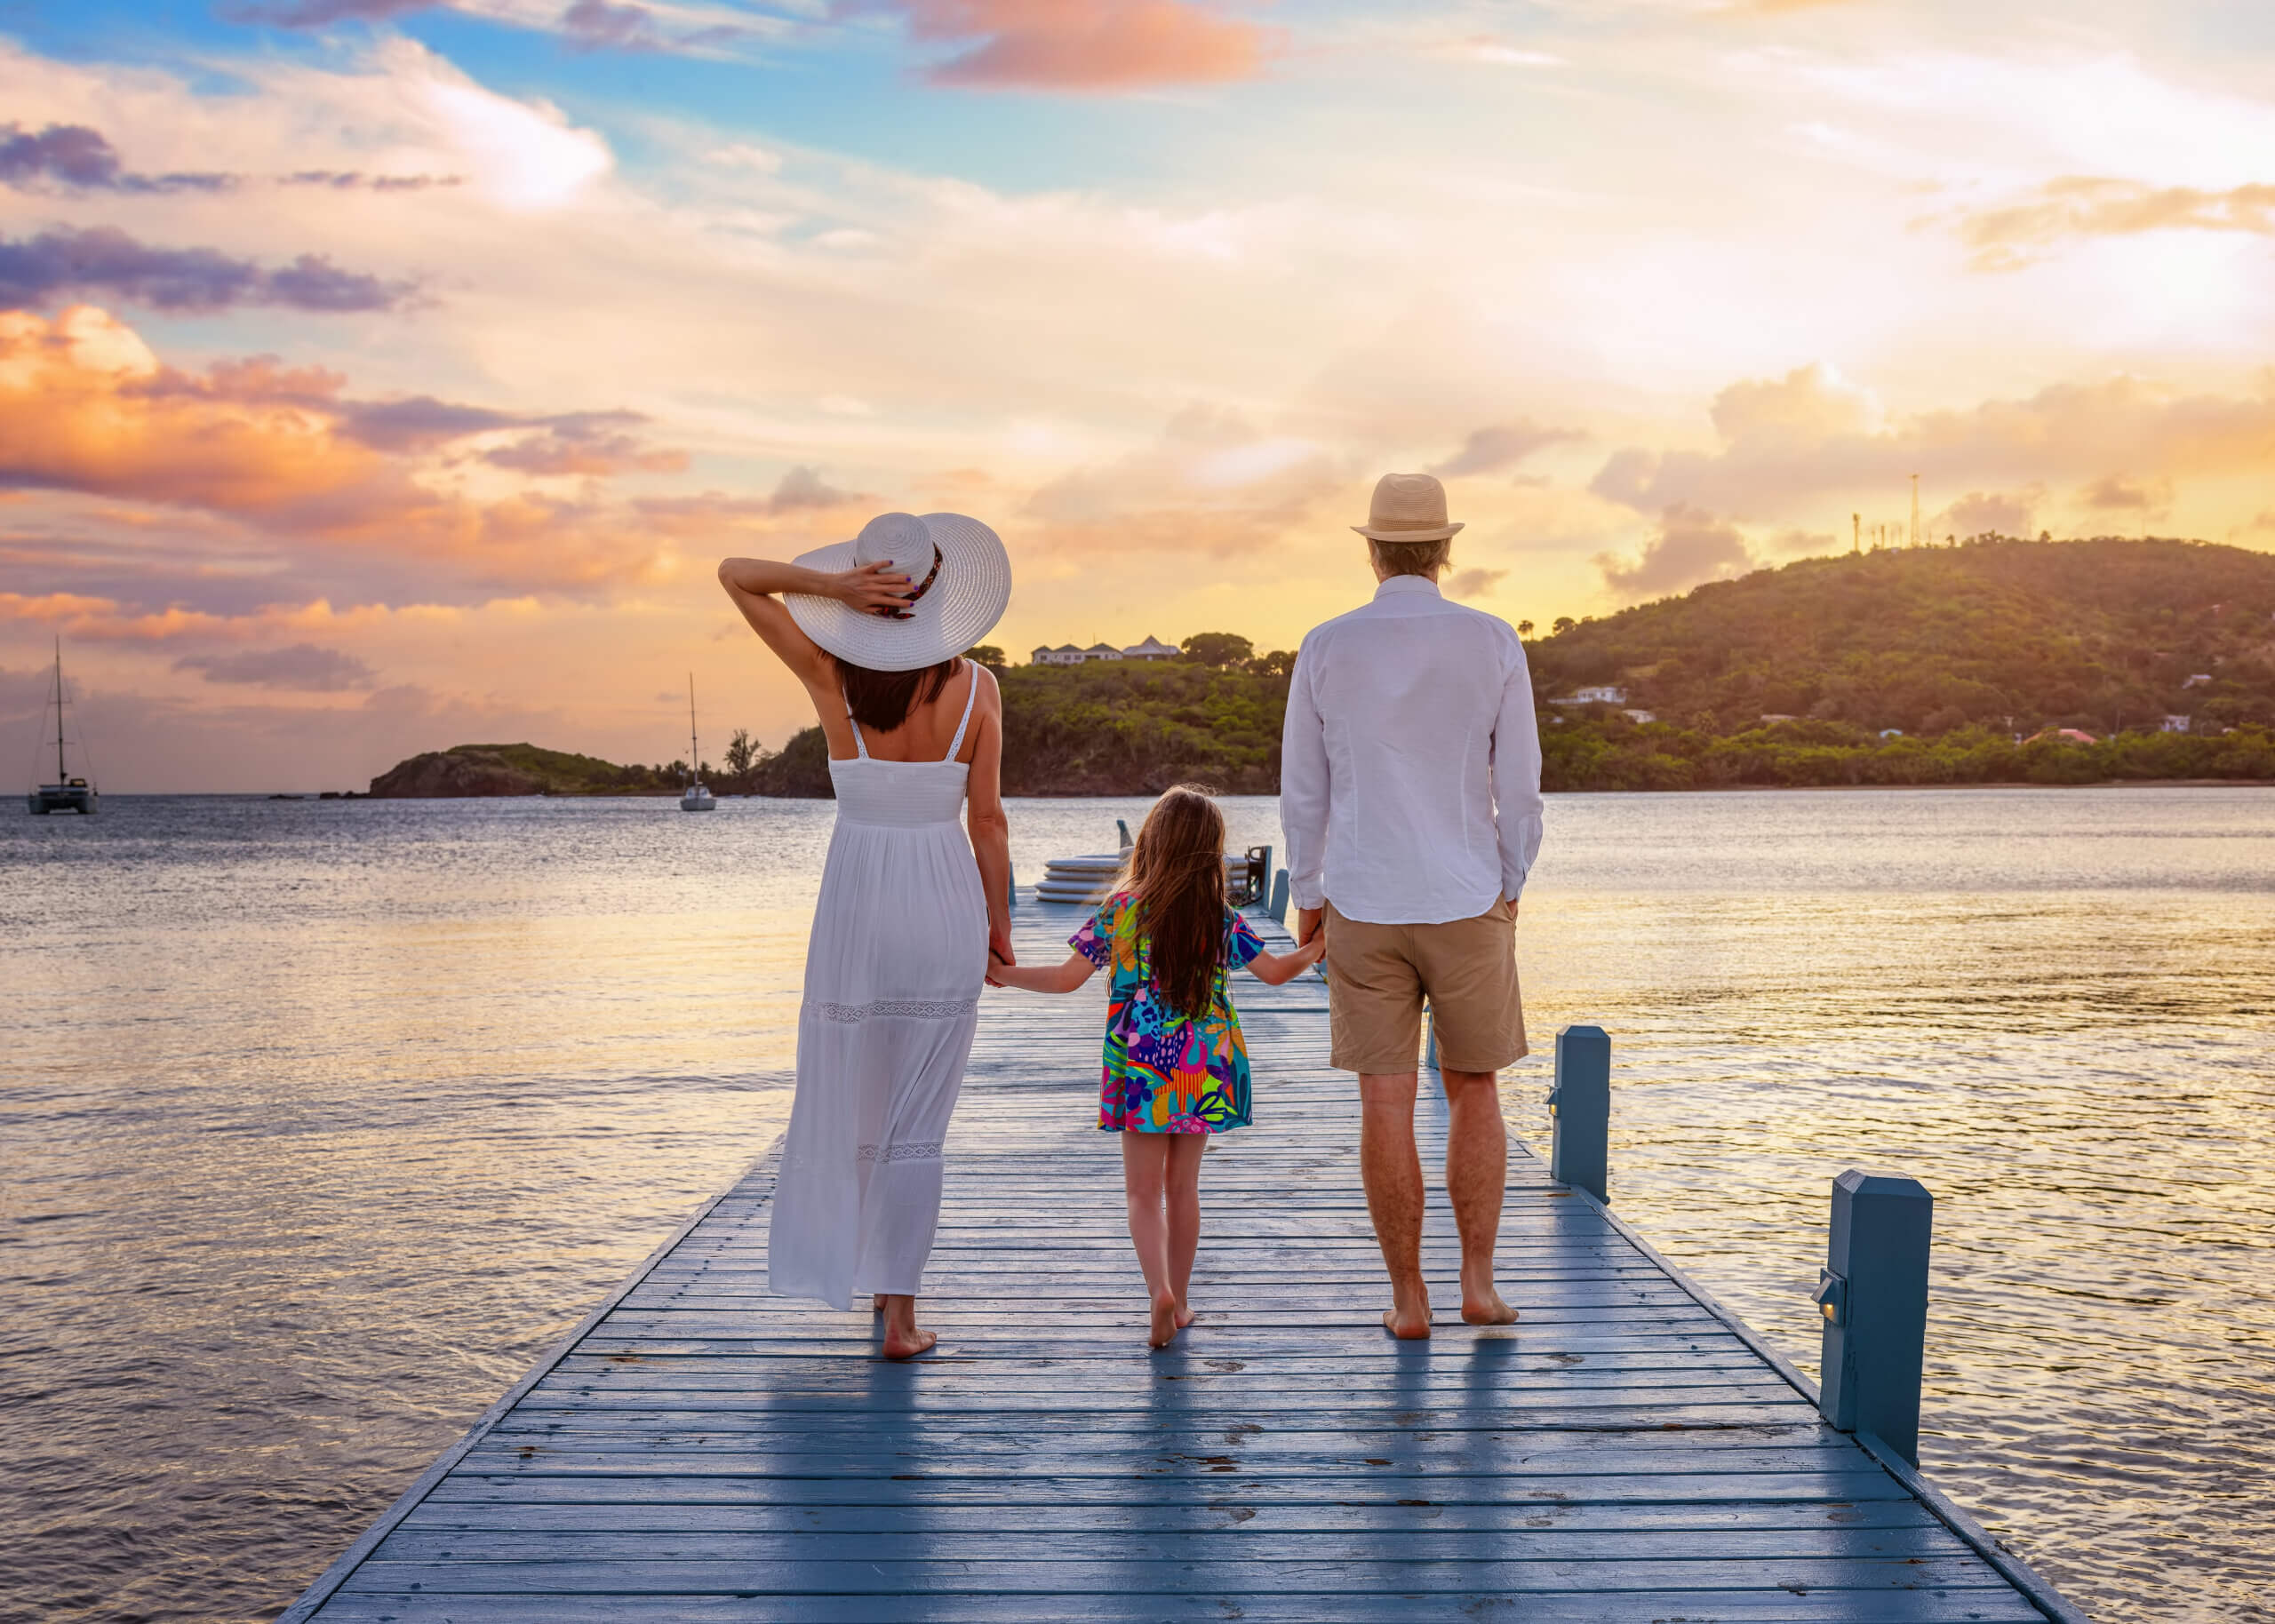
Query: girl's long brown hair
{"points": [[1176, 874]]}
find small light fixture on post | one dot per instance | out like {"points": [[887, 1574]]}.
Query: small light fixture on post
{"points": [[1580, 1104], [1873, 1296]]}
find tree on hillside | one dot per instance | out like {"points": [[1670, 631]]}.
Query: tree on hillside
{"points": [[1279, 663], [987, 655], [739, 752], [1524, 628], [1219, 648], [1564, 622]]}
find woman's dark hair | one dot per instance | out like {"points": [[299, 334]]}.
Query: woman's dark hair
{"points": [[881, 700], [1176, 874]]}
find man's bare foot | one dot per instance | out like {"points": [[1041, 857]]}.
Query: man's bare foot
{"points": [[1409, 1322], [1486, 1308], [1166, 1324], [907, 1344]]}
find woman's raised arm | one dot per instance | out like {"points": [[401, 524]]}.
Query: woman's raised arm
{"points": [[754, 584]]}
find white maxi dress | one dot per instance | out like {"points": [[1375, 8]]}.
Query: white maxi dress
{"points": [[893, 976]]}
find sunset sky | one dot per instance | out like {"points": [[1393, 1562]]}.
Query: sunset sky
{"points": [[377, 376]]}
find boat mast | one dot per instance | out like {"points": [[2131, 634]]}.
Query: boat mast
{"points": [[694, 754], [59, 776]]}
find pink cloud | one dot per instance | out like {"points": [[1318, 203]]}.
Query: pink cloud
{"points": [[86, 408], [1081, 45]]}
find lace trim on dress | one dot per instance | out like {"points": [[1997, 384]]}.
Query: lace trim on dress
{"points": [[929, 1152], [928, 1009]]}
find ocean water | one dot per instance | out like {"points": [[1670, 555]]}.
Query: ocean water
{"points": [[319, 1121]]}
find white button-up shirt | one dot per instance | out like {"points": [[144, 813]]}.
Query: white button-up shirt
{"points": [[1409, 769]]}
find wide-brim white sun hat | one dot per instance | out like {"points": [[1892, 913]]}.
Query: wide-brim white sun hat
{"points": [[958, 562]]}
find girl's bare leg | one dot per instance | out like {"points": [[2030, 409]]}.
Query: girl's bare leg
{"points": [[1182, 1196], [903, 1340], [1145, 1160]]}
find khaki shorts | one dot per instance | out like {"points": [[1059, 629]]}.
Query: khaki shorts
{"points": [[1378, 976]]}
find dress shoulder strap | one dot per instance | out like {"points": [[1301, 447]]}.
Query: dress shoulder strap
{"points": [[860, 750], [955, 746]]}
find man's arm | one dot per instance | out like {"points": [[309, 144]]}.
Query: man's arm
{"points": [[1516, 777], [1303, 791]]}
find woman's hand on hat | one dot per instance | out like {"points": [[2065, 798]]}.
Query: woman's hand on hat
{"points": [[870, 587]]}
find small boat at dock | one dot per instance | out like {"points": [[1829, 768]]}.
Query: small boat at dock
{"points": [[695, 797], [66, 793]]}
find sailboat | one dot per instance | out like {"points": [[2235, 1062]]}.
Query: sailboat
{"points": [[66, 793], [694, 797]]}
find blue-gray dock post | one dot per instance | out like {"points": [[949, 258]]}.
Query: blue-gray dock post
{"points": [[1580, 1102], [1278, 909], [1873, 1293]]}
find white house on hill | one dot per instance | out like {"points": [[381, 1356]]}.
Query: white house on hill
{"points": [[1066, 654]]}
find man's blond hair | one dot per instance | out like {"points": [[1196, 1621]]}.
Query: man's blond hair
{"points": [[1422, 558]]}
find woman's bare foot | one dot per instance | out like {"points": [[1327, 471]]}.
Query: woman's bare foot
{"points": [[1166, 1324], [1486, 1308], [907, 1344], [1408, 1321], [1183, 1316]]}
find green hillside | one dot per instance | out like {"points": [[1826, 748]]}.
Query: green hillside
{"points": [[1112, 728], [468, 770], [2091, 634], [1959, 648], [1928, 665]]}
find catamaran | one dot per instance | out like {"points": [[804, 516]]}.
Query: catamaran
{"points": [[66, 793], [694, 797]]}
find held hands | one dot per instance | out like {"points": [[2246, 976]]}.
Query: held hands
{"points": [[1308, 925], [873, 589], [999, 951]]}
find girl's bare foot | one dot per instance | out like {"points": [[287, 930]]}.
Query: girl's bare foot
{"points": [[1166, 1324], [877, 1303], [907, 1344], [1486, 1308]]}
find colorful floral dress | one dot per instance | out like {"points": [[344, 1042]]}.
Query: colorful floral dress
{"points": [[1165, 1073]]}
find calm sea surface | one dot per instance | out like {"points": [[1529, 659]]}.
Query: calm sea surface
{"points": [[318, 1121]]}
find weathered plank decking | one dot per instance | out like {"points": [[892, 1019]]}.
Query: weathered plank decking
{"points": [[701, 1452]]}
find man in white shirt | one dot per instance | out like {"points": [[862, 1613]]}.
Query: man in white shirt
{"points": [[1409, 793]]}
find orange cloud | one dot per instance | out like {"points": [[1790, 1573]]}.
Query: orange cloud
{"points": [[1212, 484], [1690, 547], [85, 407], [2007, 238], [1805, 436], [1083, 44]]}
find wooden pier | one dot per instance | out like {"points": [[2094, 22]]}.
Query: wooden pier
{"points": [[699, 1451]]}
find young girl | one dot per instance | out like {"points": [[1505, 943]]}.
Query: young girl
{"points": [[1176, 1069]]}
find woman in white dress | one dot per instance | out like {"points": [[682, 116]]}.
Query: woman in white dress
{"points": [[910, 907]]}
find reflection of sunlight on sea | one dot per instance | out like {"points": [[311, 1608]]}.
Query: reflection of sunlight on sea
{"points": [[319, 1119]]}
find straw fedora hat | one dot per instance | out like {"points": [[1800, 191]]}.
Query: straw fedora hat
{"points": [[1407, 507], [959, 575]]}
